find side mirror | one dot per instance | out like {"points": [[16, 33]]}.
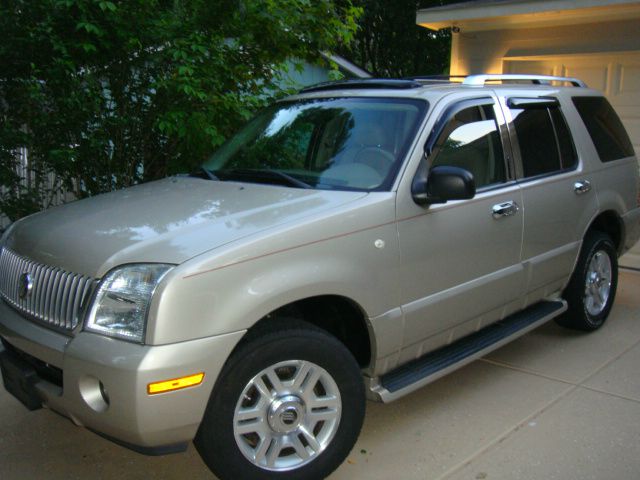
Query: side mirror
{"points": [[443, 183]]}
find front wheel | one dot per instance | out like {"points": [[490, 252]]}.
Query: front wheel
{"points": [[592, 288], [288, 404]]}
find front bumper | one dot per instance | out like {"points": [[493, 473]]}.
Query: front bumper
{"points": [[104, 381]]}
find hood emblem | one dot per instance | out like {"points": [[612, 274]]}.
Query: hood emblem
{"points": [[25, 285]]}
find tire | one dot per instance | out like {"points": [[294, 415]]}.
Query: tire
{"points": [[278, 384], [592, 287]]}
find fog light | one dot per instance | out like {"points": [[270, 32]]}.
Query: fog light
{"points": [[94, 393], [104, 393], [175, 384]]}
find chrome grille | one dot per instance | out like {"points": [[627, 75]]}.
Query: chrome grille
{"points": [[56, 296]]}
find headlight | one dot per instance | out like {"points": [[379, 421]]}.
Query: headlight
{"points": [[122, 301]]}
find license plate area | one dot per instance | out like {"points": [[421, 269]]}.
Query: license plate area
{"points": [[19, 379]]}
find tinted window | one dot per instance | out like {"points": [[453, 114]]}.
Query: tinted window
{"points": [[537, 140], [471, 141], [604, 127], [546, 145]]}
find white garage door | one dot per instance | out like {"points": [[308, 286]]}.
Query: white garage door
{"points": [[615, 74]]}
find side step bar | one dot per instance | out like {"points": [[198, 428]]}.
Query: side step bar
{"points": [[430, 367]]}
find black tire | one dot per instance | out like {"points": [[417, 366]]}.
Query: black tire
{"points": [[282, 341], [577, 316]]}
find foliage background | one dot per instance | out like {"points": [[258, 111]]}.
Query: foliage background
{"points": [[388, 42], [106, 94]]}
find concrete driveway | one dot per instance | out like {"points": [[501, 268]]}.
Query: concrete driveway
{"points": [[554, 404]]}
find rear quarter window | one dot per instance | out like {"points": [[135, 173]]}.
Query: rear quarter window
{"points": [[605, 128]]}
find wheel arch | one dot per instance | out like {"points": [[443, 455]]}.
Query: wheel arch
{"points": [[338, 315], [610, 223]]}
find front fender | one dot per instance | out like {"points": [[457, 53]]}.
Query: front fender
{"points": [[352, 254]]}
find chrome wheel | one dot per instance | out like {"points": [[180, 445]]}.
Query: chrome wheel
{"points": [[597, 283], [287, 415]]}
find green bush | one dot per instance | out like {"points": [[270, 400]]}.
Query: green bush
{"points": [[105, 94]]}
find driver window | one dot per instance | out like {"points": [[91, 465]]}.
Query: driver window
{"points": [[471, 140]]}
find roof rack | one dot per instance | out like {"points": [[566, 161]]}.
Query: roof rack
{"points": [[438, 78], [537, 79], [377, 83]]}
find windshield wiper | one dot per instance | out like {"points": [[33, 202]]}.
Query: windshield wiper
{"points": [[208, 173], [294, 182], [255, 174]]}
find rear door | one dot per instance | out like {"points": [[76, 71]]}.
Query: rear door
{"points": [[616, 74], [558, 193]]}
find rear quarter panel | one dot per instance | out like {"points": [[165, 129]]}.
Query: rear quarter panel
{"points": [[615, 182]]}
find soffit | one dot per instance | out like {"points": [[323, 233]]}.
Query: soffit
{"points": [[510, 14]]}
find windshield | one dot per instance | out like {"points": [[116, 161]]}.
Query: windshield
{"points": [[328, 143]]}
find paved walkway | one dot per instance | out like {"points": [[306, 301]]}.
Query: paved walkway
{"points": [[554, 404]]}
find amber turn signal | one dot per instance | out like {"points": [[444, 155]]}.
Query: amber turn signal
{"points": [[175, 384]]}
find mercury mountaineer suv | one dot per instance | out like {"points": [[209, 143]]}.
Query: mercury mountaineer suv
{"points": [[359, 239]]}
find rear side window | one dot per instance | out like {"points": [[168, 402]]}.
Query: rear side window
{"points": [[545, 142], [605, 128]]}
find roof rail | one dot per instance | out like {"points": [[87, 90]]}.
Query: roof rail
{"points": [[376, 83], [537, 79], [437, 78]]}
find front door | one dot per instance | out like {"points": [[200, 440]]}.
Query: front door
{"points": [[460, 261]]}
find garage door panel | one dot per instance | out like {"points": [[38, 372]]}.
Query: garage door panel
{"points": [[534, 66], [628, 83], [632, 124], [596, 76]]}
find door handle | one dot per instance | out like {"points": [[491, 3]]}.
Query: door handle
{"points": [[582, 186], [505, 209]]}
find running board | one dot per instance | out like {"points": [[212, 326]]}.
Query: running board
{"points": [[430, 367]]}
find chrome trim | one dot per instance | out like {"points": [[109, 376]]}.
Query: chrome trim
{"points": [[55, 298], [597, 287], [480, 80], [281, 422], [583, 186], [505, 209], [25, 285]]}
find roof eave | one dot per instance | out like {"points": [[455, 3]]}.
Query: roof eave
{"points": [[501, 14]]}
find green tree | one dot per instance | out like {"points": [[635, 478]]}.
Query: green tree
{"points": [[388, 42], [105, 94]]}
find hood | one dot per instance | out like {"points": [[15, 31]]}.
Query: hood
{"points": [[168, 221]]}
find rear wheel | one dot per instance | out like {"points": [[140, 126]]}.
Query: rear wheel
{"points": [[288, 404], [592, 288]]}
